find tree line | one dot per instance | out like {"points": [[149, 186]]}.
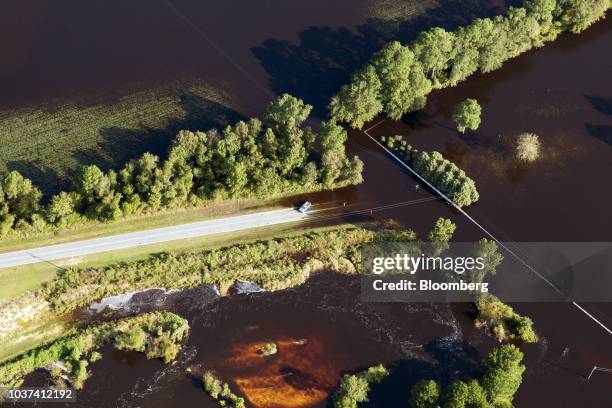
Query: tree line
{"points": [[254, 158], [439, 171], [398, 78]]}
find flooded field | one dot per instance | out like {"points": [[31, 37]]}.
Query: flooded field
{"points": [[561, 92], [321, 329]]}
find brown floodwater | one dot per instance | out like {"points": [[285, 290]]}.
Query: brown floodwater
{"points": [[562, 92]]}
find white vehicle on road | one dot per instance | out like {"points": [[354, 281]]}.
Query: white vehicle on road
{"points": [[304, 207]]}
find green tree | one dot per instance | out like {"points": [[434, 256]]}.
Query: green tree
{"points": [[21, 196], [456, 395], [467, 115], [404, 86], [360, 100], [286, 113], [375, 374], [542, 10], [578, 15], [441, 234], [486, 249], [504, 374], [434, 49], [352, 390], [425, 394], [133, 339], [61, 208]]}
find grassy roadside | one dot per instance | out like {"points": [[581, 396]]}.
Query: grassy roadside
{"points": [[20, 279], [16, 281], [137, 223]]}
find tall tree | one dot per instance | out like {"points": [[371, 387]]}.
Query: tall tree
{"points": [[434, 49], [360, 100], [467, 115], [403, 84]]}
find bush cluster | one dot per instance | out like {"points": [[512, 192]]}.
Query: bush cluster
{"points": [[495, 389], [398, 78], [439, 171], [354, 388], [157, 334], [278, 156], [503, 321]]}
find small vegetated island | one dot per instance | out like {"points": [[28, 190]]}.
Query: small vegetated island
{"points": [[495, 388], [439, 171], [277, 157]]}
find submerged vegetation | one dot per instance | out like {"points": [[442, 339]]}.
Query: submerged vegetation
{"points": [[157, 334], [246, 160], [502, 321], [528, 147], [439, 171], [268, 349], [398, 78]]}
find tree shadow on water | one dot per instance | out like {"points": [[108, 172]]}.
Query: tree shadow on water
{"points": [[600, 104], [324, 58], [601, 132]]}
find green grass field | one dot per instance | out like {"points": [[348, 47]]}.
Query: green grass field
{"points": [[47, 144]]}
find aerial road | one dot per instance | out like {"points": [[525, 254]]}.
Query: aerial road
{"points": [[147, 237]]}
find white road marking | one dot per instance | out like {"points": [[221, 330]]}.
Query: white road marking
{"points": [[148, 237]]}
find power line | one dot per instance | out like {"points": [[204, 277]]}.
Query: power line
{"points": [[218, 48], [452, 203]]}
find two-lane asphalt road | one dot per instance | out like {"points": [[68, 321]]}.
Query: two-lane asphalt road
{"points": [[148, 237]]}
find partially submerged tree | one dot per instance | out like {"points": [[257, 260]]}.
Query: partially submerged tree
{"points": [[441, 234], [467, 115]]}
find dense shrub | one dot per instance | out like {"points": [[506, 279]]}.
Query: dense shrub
{"points": [[503, 321], [274, 264], [354, 388], [221, 391]]}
